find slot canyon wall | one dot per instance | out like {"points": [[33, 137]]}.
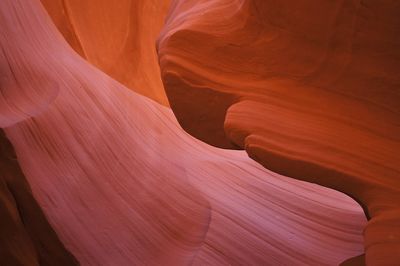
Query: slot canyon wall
{"points": [[117, 181], [311, 90]]}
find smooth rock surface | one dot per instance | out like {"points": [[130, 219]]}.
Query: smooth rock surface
{"points": [[118, 37]]}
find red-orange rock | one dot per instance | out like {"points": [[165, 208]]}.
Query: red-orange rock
{"points": [[317, 93]]}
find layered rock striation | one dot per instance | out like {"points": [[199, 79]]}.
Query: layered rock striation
{"points": [[310, 89]]}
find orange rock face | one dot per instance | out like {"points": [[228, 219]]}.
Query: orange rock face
{"points": [[117, 37], [315, 88]]}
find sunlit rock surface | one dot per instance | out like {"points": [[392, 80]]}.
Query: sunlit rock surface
{"points": [[118, 37]]}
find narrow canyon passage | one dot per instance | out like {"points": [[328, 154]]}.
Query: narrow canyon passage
{"points": [[85, 99]]}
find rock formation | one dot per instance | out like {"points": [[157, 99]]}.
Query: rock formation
{"points": [[310, 89]]}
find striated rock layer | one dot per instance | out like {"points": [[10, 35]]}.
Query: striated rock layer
{"points": [[310, 89], [122, 184]]}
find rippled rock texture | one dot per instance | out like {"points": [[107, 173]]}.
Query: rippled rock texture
{"points": [[121, 183]]}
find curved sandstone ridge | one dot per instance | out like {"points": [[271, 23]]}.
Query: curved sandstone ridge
{"points": [[310, 89], [122, 184], [26, 89], [117, 37]]}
